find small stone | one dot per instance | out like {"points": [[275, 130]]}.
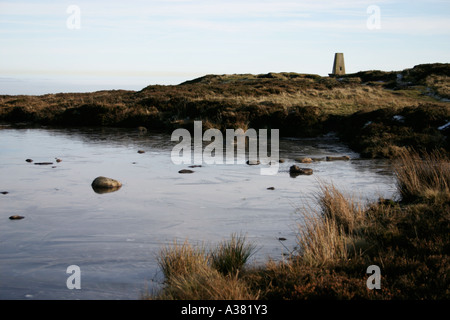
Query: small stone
{"points": [[281, 161], [337, 158], [253, 162], [16, 217], [4, 192], [304, 160], [271, 188], [58, 160], [141, 151], [282, 239], [195, 166], [185, 171], [296, 170], [29, 160], [43, 163]]}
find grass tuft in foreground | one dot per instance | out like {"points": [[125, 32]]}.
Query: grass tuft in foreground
{"points": [[231, 255]]}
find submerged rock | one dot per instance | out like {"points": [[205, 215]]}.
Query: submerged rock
{"points": [[142, 129], [337, 158], [4, 192], [304, 160], [16, 217], [186, 171], [253, 162], [105, 185], [43, 163], [296, 170]]}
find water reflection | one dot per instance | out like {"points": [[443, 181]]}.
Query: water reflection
{"points": [[115, 239], [101, 190]]}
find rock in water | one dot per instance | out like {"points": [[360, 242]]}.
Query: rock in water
{"points": [[185, 171], [142, 129], [296, 170], [16, 217], [105, 185], [304, 160], [337, 158], [253, 162]]}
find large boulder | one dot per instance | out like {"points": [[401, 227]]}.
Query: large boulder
{"points": [[104, 185]]}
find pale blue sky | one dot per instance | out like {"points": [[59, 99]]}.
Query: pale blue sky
{"points": [[134, 43]]}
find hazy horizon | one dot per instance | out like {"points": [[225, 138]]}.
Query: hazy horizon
{"points": [[79, 46]]}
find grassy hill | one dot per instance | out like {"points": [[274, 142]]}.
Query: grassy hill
{"points": [[376, 112]]}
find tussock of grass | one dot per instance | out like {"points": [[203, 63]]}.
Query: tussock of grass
{"points": [[206, 283], [333, 231], [423, 177], [181, 259], [231, 255], [193, 273], [321, 240]]}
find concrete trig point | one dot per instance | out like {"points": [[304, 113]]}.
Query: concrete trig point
{"points": [[338, 65]]}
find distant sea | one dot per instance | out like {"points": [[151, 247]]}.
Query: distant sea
{"points": [[40, 85]]}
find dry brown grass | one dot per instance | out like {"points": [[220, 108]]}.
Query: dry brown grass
{"points": [[423, 177], [191, 273], [206, 283], [181, 259], [331, 232], [321, 241], [339, 100]]}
